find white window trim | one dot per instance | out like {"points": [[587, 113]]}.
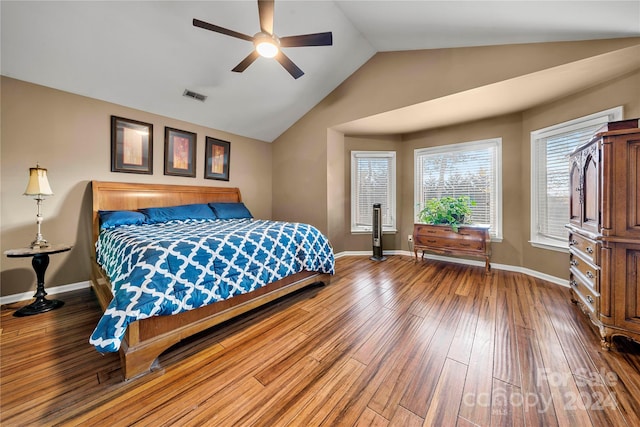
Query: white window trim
{"points": [[464, 146], [355, 229], [536, 240]]}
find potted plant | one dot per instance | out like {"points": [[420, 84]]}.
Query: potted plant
{"points": [[447, 210]]}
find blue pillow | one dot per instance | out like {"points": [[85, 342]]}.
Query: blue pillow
{"points": [[182, 212], [230, 210], [109, 219]]}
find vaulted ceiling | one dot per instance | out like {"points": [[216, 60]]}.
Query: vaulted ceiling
{"points": [[145, 54]]}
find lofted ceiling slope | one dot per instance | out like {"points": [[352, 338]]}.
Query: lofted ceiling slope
{"points": [[144, 54]]}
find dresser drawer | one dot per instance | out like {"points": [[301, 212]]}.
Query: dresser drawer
{"points": [[589, 298], [590, 272], [587, 247]]}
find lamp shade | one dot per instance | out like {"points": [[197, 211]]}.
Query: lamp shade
{"points": [[38, 183]]}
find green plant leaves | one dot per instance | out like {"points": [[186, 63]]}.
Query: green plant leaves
{"points": [[447, 210]]}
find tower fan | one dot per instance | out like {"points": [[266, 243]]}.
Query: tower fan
{"points": [[377, 233]]}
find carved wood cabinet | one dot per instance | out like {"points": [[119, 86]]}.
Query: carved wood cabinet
{"points": [[469, 240], [604, 230]]}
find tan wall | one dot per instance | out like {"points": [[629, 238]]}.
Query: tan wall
{"points": [[300, 161], [398, 79], [337, 197], [70, 136]]}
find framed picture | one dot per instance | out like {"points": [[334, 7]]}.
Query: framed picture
{"points": [[131, 146], [179, 152], [216, 159]]}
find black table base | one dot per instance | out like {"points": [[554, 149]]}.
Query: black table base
{"points": [[40, 262], [41, 305]]}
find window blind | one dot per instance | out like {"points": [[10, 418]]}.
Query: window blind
{"points": [[469, 169], [550, 193], [373, 181], [553, 180]]}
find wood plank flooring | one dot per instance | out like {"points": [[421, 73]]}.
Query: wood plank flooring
{"points": [[393, 343]]}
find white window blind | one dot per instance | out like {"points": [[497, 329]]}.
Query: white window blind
{"points": [[469, 169], [550, 149], [372, 181]]}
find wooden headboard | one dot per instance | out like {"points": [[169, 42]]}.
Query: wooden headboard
{"points": [[110, 196]]}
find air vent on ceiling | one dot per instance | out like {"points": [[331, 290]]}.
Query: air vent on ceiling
{"points": [[197, 96]]}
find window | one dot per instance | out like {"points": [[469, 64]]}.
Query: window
{"points": [[373, 180], [550, 149], [471, 169]]}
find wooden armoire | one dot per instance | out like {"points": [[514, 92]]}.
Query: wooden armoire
{"points": [[604, 229]]}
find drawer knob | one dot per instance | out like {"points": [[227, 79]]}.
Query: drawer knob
{"points": [[574, 262], [574, 283], [589, 249], [590, 299], [590, 275], [573, 242]]}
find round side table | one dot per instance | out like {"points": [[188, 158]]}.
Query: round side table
{"points": [[40, 262]]}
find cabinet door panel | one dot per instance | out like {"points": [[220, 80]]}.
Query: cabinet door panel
{"points": [[624, 204], [591, 208], [626, 286], [575, 204], [606, 295], [633, 187]]}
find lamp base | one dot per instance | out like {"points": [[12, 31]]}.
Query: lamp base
{"points": [[39, 243]]}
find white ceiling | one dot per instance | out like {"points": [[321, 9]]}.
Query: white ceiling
{"points": [[145, 54]]}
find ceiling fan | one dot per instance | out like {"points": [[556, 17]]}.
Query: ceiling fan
{"points": [[267, 44]]}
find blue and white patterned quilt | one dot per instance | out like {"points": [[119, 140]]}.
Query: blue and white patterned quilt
{"points": [[175, 266]]}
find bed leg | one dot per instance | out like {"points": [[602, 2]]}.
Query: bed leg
{"points": [[137, 362]]}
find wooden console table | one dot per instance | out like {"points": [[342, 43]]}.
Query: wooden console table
{"points": [[469, 240]]}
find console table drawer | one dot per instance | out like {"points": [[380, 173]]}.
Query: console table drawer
{"points": [[446, 232], [444, 244]]}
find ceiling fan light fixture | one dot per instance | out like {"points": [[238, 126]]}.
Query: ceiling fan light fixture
{"points": [[266, 45]]}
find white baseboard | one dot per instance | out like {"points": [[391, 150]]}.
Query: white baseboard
{"points": [[9, 299], [506, 267], [369, 253]]}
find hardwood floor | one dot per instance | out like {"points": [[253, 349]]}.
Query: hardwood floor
{"points": [[393, 343]]}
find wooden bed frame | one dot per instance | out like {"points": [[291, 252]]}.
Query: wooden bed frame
{"points": [[146, 339]]}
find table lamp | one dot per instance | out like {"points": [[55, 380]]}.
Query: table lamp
{"points": [[38, 187]]}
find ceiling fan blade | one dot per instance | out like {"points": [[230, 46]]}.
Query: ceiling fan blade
{"points": [[217, 29], [317, 39], [289, 65], [246, 62], [265, 11]]}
